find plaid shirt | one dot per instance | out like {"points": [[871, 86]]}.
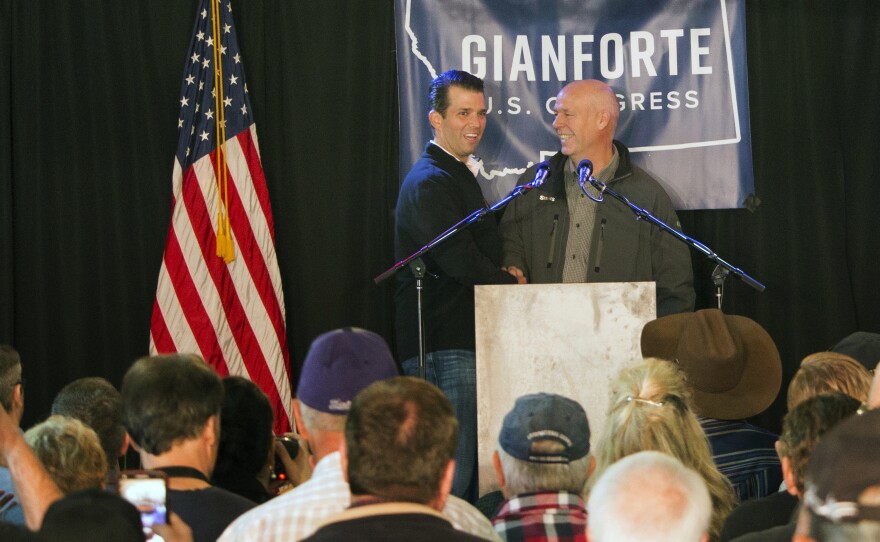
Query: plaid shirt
{"points": [[546, 516]]}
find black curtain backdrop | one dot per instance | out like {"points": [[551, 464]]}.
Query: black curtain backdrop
{"points": [[88, 109]]}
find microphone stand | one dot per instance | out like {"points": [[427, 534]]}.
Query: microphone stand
{"points": [[417, 266], [585, 175], [718, 276]]}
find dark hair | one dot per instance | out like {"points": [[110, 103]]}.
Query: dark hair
{"points": [[809, 420], [245, 430], [168, 398], [438, 94], [92, 514], [400, 435], [95, 402], [10, 374]]}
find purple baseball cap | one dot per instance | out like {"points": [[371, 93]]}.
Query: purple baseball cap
{"points": [[341, 363]]}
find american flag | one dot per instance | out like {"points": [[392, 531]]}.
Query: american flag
{"points": [[229, 307]]}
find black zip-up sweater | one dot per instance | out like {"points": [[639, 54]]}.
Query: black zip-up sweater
{"points": [[438, 192]]}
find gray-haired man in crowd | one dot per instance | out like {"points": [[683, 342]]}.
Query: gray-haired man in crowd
{"points": [[543, 461], [649, 497]]}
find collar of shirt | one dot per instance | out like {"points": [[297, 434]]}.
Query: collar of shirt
{"points": [[540, 500], [474, 163], [607, 172]]}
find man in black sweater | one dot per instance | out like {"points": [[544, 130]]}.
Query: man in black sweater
{"points": [[171, 410], [439, 191]]}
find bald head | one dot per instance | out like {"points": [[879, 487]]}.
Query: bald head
{"points": [[586, 118], [595, 94], [674, 503]]}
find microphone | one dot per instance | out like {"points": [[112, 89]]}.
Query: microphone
{"points": [[585, 175], [541, 174], [584, 171]]}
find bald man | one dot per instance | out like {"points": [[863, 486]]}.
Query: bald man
{"points": [[556, 234]]}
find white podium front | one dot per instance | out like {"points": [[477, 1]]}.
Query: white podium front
{"points": [[568, 339]]}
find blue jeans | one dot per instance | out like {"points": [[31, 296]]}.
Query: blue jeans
{"points": [[455, 373]]}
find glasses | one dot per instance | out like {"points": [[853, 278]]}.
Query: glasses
{"points": [[21, 381]]}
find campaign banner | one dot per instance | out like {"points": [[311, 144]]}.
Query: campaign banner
{"points": [[678, 70]]}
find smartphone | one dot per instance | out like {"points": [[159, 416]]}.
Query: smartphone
{"points": [[147, 490]]}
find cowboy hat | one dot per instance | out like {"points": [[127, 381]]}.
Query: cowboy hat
{"points": [[730, 362]]}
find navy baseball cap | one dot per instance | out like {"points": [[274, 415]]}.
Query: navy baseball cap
{"points": [[546, 417]]}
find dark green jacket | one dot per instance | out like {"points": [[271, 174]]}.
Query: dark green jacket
{"points": [[534, 230]]}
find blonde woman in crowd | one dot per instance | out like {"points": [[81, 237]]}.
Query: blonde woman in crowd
{"points": [[650, 411], [71, 452]]}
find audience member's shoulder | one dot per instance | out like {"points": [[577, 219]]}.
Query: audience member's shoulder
{"points": [[781, 533], [212, 496], [92, 514], [466, 517], [208, 511], [16, 533], [282, 509], [759, 514], [232, 499]]}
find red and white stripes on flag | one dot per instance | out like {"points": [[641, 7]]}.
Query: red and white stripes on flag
{"points": [[232, 314]]}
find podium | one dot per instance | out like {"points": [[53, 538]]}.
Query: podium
{"points": [[568, 339]]}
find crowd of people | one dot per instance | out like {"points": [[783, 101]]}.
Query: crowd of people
{"points": [[381, 454], [376, 456]]}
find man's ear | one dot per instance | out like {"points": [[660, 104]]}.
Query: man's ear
{"points": [[603, 118], [298, 419], [496, 462], [435, 119], [211, 432], [17, 398], [126, 441], [788, 476], [445, 487], [343, 459]]}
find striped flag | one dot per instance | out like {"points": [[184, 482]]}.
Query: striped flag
{"points": [[219, 292]]}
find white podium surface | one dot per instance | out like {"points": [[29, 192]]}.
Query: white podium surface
{"points": [[568, 339]]}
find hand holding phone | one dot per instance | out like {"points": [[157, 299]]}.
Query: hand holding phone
{"points": [[147, 490]]}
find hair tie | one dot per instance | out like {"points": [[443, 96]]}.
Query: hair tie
{"points": [[630, 398]]}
